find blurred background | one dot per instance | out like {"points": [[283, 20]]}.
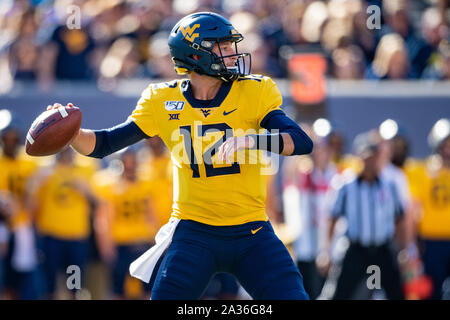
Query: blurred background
{"points": [[344, 67]]}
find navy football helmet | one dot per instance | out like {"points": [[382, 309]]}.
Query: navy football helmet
{"points": [[196, 34]]}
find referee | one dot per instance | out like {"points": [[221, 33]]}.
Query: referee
{"points": [[373, 211]]}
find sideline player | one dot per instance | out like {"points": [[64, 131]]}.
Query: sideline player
{"points": [[127, 211], [218, 223], [20, 255], [62, 201]]}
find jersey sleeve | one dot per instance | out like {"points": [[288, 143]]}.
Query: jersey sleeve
{"points": [[144, 114], [270, 99]]}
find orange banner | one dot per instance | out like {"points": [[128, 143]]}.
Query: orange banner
{"points": [[307, 72]]}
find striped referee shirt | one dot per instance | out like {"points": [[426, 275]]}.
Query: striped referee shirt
{"points": [[371, 210]]}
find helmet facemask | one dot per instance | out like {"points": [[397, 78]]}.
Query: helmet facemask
{"points": [[242, 66]]}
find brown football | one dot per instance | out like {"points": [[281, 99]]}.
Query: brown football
{"points": [[52, 131]]}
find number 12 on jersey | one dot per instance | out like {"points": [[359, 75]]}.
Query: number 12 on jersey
{"points": [[202, 130]]}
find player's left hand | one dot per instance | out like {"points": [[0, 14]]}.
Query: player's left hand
{"points": [[233, 144]]}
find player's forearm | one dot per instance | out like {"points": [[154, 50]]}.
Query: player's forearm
{"points": [[282, 143], [293, 140], [102, 143], [84, 142]]}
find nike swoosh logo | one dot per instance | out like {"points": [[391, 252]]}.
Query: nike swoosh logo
{"points": [[227, 113], [255, 231]]}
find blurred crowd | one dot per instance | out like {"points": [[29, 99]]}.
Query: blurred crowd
{"points": [[106, 40], [71, 225]]}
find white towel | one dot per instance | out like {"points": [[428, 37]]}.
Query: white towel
{"points": [[24, 257], [142, 267]]}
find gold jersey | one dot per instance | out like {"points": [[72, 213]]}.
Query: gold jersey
{"points": [[63, 208], [158, 170], [206, 190], [130, 206], [14, 176]]}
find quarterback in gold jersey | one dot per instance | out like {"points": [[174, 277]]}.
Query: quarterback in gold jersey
{"points": [[200, 178], [212, 122]]}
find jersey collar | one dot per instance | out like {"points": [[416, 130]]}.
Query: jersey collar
{"points": [[216, 102]]}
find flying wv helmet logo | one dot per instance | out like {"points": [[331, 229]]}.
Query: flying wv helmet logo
{"points": [[188, 32]]}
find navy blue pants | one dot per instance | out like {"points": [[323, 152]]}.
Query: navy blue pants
{"points": [[126, 254], [60, 254], [258, 260]]}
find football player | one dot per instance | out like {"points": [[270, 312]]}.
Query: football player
{"points": [[62, 201], [127, 211], [21, 255], [218, 222], [157, 168]]}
